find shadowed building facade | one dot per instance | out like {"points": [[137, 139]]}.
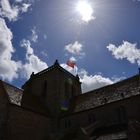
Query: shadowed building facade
{"points": [[50, 106]]}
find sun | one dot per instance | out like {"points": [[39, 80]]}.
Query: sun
{"points": [[85, 10]]}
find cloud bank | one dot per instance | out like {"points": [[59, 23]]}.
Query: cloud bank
{"points": [[89, 82], [33, 62], [8, 67], [12, 11], [126, 50]]}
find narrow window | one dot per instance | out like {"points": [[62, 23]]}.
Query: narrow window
{"points": [[73, 90], [122, 114], [66, 88], [67, 123], [44, 92]]}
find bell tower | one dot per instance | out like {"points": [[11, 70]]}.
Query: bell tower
{"points": [[51, 91]]}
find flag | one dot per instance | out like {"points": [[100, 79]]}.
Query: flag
{"points": [[71, 63]]}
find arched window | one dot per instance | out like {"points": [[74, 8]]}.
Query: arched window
{"points": [[69, 90], [66, 90]]}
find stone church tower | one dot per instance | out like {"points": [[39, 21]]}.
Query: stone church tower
{"points": [[51, 107], [51, 91]]}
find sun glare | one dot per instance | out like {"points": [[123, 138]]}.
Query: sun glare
{"points": [[85, 10]]}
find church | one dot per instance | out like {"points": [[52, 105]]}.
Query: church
{"points": [[51, 106]]}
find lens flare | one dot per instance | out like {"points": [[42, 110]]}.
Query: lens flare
{"points": [[85, 10]]}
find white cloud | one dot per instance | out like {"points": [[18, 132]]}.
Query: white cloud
{"points": [[8, 67], [70, 69], [25, 7], [34, 36], [6, 10], [91, 82], [44, 53], [27, 45], [18, 1], [33, 62], [75, 48], [126, 51], [11, 11], [73, 59], [117, 79]]}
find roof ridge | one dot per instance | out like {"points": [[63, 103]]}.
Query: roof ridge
{"points": [[53, 66], [11, 85], [114, 84]]}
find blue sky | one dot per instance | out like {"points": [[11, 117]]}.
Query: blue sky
{"points": [[105, 45]]}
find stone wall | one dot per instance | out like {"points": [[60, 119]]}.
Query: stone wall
{"points": [[112, 114], [25, 124], [49, 89], [3, 111], [108, 94]]}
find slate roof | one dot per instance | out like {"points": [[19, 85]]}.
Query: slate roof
{"points": [[14, 93], [118, 91]]}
